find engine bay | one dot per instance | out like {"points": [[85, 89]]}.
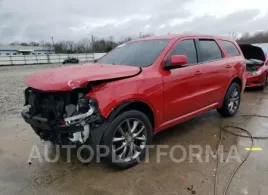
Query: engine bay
{"points": [[253, 65], [254, 56], [70, 109], [56, 105]]}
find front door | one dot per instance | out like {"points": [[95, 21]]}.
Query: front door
{"points": [[179, 84]]}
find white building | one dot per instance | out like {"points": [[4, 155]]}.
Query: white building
{"points": [[6, 50]]}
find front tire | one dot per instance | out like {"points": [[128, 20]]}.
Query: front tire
{"points": [[126, 138], [231, 101]]}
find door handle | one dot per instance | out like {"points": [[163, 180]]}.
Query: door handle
{"points": [[198, 72], [228, 66]]}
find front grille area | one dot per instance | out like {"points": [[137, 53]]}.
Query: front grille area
{"points": [[47, 105]]}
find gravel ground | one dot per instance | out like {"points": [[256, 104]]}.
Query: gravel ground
{"points": [[12, 86]]}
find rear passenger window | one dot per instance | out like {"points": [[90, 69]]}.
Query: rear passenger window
{"points": [[230, 48], [209, 50], [186, 47]]}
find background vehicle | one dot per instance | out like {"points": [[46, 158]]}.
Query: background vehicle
{"points": [[70, 60], [135, 91], [257, 66]]}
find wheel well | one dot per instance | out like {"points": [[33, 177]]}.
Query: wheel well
{"points": [[237, 80], [137, 105]]}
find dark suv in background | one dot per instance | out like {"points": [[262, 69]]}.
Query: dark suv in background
{"points": [[71, 60]]}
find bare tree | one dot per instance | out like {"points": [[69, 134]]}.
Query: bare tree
{"points": [[233, 35], [258, 37]]}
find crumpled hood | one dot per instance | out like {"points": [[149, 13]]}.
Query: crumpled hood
{"points": [[70, 77]]}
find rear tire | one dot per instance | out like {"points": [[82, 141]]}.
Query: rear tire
{"points": [[231, 101], [126, 138]]}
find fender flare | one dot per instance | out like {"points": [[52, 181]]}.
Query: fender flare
{"points": [[97, 133], [118, 109]]}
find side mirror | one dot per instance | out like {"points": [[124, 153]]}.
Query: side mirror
{"points": [[177, 61]]}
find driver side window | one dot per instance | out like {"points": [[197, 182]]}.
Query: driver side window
{"points": [[185, 47]]}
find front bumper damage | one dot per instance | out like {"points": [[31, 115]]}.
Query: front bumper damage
{"points": [[255, 81], [77, 134], [64, 118]]}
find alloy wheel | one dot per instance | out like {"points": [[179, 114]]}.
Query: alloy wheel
{"points": [[129, 139], [233, 101]]}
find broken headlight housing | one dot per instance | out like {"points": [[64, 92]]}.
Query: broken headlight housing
{"points": [[84, 104], [85, 108]]}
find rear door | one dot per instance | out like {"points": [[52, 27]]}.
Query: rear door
{"points": [[233, 59], [210, 83]]}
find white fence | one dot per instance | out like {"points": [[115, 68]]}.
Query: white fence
{"points": [[46, 59]]}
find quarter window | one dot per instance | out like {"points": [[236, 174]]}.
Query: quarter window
{"points": [[209, 50], [186, 47], [230, 48]]}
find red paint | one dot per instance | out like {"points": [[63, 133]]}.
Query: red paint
{"points": [[178, 60], [69, 77], [173, 95], [257, 80]]}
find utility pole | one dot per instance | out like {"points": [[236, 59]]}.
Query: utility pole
{"points": [[89, 43], [77, 50], [53, 44], [112, 42], [93, 44]]}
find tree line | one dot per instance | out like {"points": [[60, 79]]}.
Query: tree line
{"points": [[99, 45], [251, 38]]}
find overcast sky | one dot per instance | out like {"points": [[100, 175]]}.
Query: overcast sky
{"points": [[36, 20]]}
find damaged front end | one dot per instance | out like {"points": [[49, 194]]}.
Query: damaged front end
{"points": [[253, 66], [66, 117], [255, 58]]}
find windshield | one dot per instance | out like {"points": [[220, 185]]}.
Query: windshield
{"points": [[140, 53]]}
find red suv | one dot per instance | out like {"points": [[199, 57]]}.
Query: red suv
{"points": [[133, 92]]}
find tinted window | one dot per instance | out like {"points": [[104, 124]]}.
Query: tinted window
{"points": [[230, 48], [186, 47], [141, 53], [209, 50]]}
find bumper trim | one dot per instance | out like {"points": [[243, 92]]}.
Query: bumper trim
{"points": [[45, 124], [55, 132]]}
